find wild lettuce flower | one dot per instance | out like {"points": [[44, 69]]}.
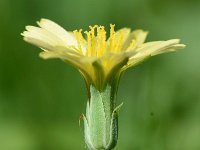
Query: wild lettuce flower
{"points": [[101, 60]]}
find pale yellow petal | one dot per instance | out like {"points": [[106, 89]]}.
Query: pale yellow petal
{"points": [[116, 64], [124, 32], [152, 48], [172, 49], [46, 40], [58, 31], [40, 34], [110, 60], [117, 40], [138, 36], [63, 52], [76, 61], [40, 40]]}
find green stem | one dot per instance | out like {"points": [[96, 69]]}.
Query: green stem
{"points": [[101, 120]]}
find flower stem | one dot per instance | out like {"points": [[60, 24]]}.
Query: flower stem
{"points": [[101, 120]]}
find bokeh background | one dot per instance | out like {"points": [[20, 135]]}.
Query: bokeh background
{"points": [[41, 101]]}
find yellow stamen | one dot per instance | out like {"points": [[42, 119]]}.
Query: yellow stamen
{"points": [[80, 39], [88, 52], [101, 41], [93, 40], [112, 36], [96, 40], [116, 39]]}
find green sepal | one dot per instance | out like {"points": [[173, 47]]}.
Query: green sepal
{"points": [[114, 128]]}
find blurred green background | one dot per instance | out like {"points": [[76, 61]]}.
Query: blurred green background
{"points": [[41, 101]]}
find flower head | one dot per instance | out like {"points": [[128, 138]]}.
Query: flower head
{"points": [[100, 58]]}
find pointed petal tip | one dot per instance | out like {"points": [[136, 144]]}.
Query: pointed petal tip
{"points": [[22, 34], [43, 55], [178, 44], [43, 20], [126, 28], [28, 27], [25, 33], [26, 38], [141, 30], [181, 45], [31, 28], [174, 41]]}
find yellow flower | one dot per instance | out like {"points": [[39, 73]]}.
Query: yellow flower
{"points": [[99, 58]]}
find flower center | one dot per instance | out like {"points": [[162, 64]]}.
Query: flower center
{"points": [[97, 44]]}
